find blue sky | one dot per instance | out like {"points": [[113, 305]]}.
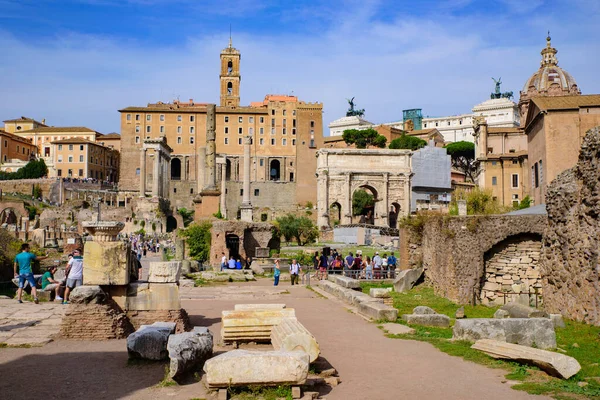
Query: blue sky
{"points": [[76, 62]]}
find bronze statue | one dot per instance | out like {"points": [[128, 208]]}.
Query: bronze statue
{"points": [[351, 111]]}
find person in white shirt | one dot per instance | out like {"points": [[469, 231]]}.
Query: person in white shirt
{"points": [[295, 270], [223, 261], [74, 274]]}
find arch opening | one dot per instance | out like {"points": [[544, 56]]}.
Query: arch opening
{"points": [[232, 242], [393, 215], [176, 169], [335, 213], [274, 170], [171, 223], [363, 204], [229, 88]]}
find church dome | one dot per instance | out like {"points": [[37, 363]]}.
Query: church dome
{"points": [[550, 79]]}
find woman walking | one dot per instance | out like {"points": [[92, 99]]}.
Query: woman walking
{"points": [[368, 265], [276, 272]]}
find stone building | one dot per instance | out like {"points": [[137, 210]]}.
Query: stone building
{"points": [[14, 149], [390, 133], [285, 132], [80, 158], [431, 185]]}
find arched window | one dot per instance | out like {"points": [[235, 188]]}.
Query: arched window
{"points": [[229, 88], [275, 168], [229, 67], [176, 169]]}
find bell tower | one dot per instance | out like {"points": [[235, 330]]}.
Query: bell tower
{"points": [[230, 76]]}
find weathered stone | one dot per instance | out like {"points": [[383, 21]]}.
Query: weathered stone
{"points": [[164, 272], [398, 329], [149, 342], [378, 311], [186, 267], [152, 296], [214, 276], [256, 268], [407, 279], [237, 277], [500, 313], [252, 325], [440, 320], [422, 310], [380, 293], [557, 320], [290, 335], [161, 324], [555, 364], [296, 392], [344, 281], [189, 349], [460, 313], [87, 295], [243, 368], [179, 317], [106, 263], [254, 307], [516, 310], [537, 332]]}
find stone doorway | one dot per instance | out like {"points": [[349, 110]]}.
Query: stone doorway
{"points": [[512, 272], [171, 223], [233, 245]]}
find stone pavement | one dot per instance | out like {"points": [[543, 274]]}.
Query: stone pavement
{"points": [[29, 323]]}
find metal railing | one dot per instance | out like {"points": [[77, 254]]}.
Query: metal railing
{"points": [[478, 295]]}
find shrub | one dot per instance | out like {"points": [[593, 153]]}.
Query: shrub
{"points": [[198, 237], [36, 192], [407, 142], [525, 203], [300, 228], [32, 170], [362, 202], [479, 202]]}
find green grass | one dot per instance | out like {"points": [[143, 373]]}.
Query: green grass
{"points": [[266, 393], [166, 381], [578, 340], [319, 295]]}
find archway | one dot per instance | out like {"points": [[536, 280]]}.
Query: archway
{"points": [[229, 88], [228, 170], [274, 170], [233, 245], [8, 216], [229, 67], [171, 223], [176, 169], [393, 215], [363, 204], [335, 213]]}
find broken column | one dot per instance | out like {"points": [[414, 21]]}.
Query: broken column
{"points": [[189, 349], [291, 335], [246, 207], [252, 326], [105, 260], [207, 203], [143, 152]]}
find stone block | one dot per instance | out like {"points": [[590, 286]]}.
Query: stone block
{"points": [[268, 368], [252, 325], [254, 307], [189, 349], [152, 296], [380, 293], [378, 311], [440, 320], [555, 364], [149, 342], [523, 331], [517, 310], [460, 313], [291, 335], [557, 320], [398, 329], [106, 263], [407, 279], [164, 272], [423, 310], [500, 313], [344, 281], [87, 294], [186, 267]]}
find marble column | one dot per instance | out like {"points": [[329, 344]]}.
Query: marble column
{"points": [[384, 208], [223, 189], [246, 206], [211, 148], [143, 172], [347, 213], [156, 174], [201, 168], [322, 200]]}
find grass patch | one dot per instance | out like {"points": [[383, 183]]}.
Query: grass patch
{"points": [[16, 346], [166, 381], [367, 286], [266, 393], [315, 292], [578, 340]]}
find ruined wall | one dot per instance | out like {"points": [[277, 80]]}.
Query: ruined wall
{"points": [[251, 235], [25, 186], [453, 249], [570, 251]]}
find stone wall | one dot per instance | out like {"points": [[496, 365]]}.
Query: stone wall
{"points": [[512, 268], [570, 270], [272, 198], [452, 249], [25, 186], [250, 235]]}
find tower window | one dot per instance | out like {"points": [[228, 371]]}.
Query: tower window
{"points": [[226, 119], [229, 88], [240, 120], [229, 67], [239, 141]]}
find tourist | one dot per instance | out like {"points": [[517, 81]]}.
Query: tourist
{"points": [[384, 265], [49, 284], [23, 267], [223, 261], [74, 274], [295, 270], [323, 263], [316, 263], [276, 273], [348, 264], [238, 264], [231, 263], [337, 265], [377, 265], [368, 267], [392, 265], [358, 265]]}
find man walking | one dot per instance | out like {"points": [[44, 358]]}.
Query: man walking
{"points": [[23, 265], [392, 265], [295, 270], [74, 274]]}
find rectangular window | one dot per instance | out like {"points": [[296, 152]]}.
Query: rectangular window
{"points": [[272, 112], [178, 129], [240, 119], [59, 159], [128, 117], [262, 131], [137, 129], [256, 192], [262, 120], [81, 147], [284, 142], [494, 163], [272, 122], [294, 123], [226, 140], [137, 117], [283, 131], [541, 173], [284, 121], [80, 172], [59, 172], [294, 112], [261, 141], [226, 129], [59, 147], [179, 118], [148, 129], [312, 144], [293, 142], [494, 180], [251, 120], [192, 118], [240, 130], [6, 143], [262, 162], [191, 140], [532, 176], [162, 117], [537, 177], [148, 117], [239, 141], [162, 129], [80, 158], [70, 159], [179, 140], [192, 130], [241, 192], [515, 181], [191, 190], [272, 131], [137, 139], [272, 142], [226, 119], [70, 172], [251, 131], [312, 124], [70, 147]]}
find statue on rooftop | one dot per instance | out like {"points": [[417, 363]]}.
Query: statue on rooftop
{"points": [[351, 111]]}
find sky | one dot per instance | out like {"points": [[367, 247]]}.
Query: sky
{"points": [[77, 62]]}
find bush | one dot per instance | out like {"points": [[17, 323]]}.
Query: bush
{"points": [[187, 215], [479, 202], [198, 237], [407, 142], [37, 192], [363, 138], [525, 203], [32, 170], [300, 228], [362, 202]]}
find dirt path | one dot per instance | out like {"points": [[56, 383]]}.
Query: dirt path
{"points": [[370, 365]]}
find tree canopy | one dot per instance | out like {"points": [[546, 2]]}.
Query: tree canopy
{"points": [[362, 202], [300, 228], [32, 170], [198, 239], [463, 157], [407, 142], [364, 138]]}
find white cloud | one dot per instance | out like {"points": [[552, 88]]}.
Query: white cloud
{"points": [[441, 65]]}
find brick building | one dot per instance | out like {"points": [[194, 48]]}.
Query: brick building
{"points": [[14, 148], [81, 158], [285, 131]]}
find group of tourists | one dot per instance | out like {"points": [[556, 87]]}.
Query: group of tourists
{"points": [[355, 266], [62, 288], [295, 271]]}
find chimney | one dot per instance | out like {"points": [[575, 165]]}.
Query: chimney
{"points": [[44, 121]]}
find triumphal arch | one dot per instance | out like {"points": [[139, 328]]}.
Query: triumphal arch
{"points": [[383, 173]]}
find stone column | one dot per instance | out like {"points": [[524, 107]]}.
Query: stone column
{"points": [[223, 189], [246, 206], [384, 208], [346, 218], [322, 200], [185, 169], [210, 162], [156, 173], [201, 168]]}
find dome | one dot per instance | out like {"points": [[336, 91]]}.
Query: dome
{"points": [[550, 79]]}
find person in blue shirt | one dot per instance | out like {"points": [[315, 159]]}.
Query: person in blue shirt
{"points": [[24, 272], [238, 264], [231, 263]]}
